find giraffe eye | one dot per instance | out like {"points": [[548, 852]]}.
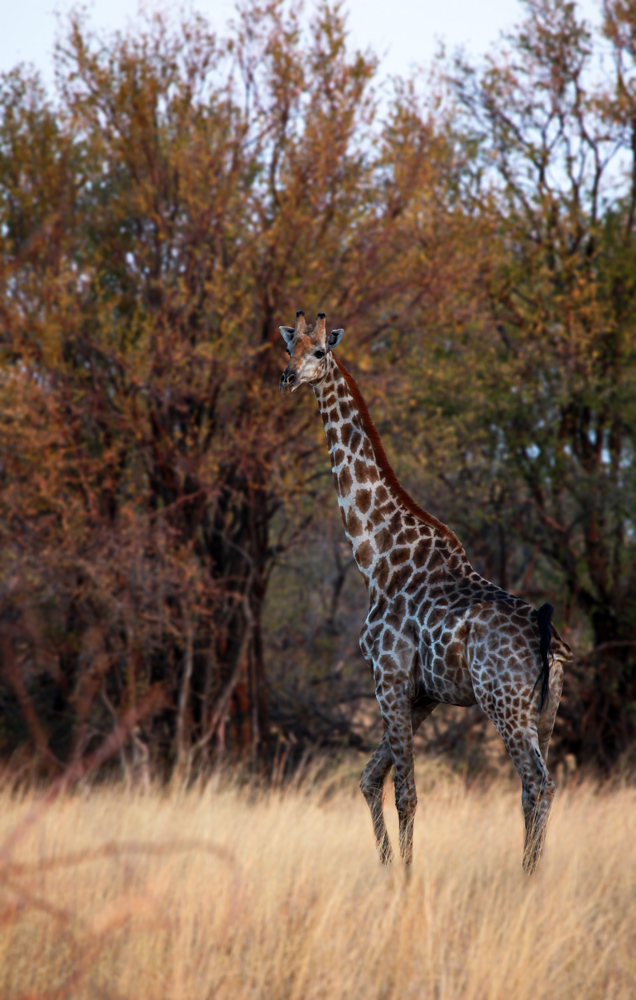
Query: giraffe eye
{"points": [[319, 354]]}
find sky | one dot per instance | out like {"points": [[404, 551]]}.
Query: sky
{"points": [[405, 33]]}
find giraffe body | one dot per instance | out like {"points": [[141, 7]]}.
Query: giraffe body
{"points": [[436, 631]]}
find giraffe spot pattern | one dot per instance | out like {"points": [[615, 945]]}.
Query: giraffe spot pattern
{"points": [[399, 556], [354, 525], [361, 471], [346, 430], [364, 554], [363, 500], [345, 482]]}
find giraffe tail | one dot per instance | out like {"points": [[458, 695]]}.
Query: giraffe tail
{"points": [[544, 618]]}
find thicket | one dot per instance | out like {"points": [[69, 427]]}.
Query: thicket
{"points": [[171, 560]]}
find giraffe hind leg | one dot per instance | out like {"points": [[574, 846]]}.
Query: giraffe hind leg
{"points": [[537, 800], [538, 789], [537, 796], [525, 732]]}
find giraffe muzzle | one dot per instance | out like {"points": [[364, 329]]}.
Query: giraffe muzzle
{"points": [[287, 382]]}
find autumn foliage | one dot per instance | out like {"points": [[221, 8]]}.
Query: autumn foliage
{"points": [[169, 546]]}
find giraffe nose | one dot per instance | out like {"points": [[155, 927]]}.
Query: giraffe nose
{"points": [[286, 380]]}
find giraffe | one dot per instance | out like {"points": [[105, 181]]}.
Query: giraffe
{"points": [[436, 631]]}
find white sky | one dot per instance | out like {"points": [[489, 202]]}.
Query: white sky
{"points": [[404, 32]]}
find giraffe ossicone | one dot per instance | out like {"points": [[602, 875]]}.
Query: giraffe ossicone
{"points": [[436, 631]]}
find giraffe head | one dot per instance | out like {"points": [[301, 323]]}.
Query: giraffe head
{"points": [[308, 348]]}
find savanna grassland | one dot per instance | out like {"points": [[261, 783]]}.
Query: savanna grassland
{"points": [[231, 892]]}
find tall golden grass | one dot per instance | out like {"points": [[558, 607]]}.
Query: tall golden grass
{"points": [[230, 892]]}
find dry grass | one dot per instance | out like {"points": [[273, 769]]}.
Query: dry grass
{"points": [[228, 894]]}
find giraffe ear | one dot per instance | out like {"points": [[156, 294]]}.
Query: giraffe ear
{"points": [[287, 333], [334, 339]]}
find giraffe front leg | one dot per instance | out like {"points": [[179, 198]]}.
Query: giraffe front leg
{"points": [[399, 731], [372, 785], [373, 777]]}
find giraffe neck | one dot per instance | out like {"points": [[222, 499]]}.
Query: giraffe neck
{"points": [[382, 523]]}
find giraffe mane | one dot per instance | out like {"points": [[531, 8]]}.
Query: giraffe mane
{"points": [[389, 475]]}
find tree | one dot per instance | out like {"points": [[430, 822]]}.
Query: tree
{"points": [[182, 196], [178, 198], [531, 393]]}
